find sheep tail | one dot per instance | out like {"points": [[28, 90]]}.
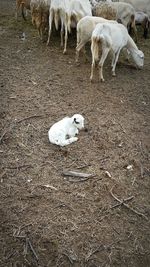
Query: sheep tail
{"points": [[96, 43], [78, 35], [132, 21]]}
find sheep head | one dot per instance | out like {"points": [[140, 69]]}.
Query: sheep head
{"points": [[138, 57], [78, 121]]}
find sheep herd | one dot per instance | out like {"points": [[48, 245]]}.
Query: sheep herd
{"points": [[106, 24]]}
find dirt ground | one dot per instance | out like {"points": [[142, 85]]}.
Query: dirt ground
{"points": [[51, 220]]}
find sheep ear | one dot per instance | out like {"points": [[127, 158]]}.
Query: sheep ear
{"points": [[75, 120]]}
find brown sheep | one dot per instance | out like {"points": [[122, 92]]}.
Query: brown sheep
{"points": [[104, 10], [22, 4], [40, 16]]}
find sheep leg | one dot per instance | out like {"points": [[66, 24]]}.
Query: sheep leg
{"points": [[62, 33], [71, 140], [115, 59], [51, 17], [66, 142], [135, 33], [92, 70], [105, 52], [26, 12], [73, 132], [146, 25], [56, 19], [78, 48], [40, 33], [22, 11], [66, 38], [17, 10], [85, 55], [133, 27]]}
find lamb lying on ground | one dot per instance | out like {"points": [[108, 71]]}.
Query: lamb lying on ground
{"points": [[63, 132]]}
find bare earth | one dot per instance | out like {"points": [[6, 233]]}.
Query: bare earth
{"points": [[51, 220]]}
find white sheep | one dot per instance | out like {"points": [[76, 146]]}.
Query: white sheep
{"points": [[139, 5], [125, 13], [68, 12], [85, 28], [64, 132], [57, 13], [76, 10], [112, 37]]}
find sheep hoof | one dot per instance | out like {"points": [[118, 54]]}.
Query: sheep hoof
{"points": [[64, 52], [91, 79], [102, 80], [47, 43], [113, 74]]}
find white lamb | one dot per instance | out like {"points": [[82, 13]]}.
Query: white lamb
{"points": [[112, 37], [64, 132], [85, 28]]}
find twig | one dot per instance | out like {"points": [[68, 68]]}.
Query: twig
{"points": [[44, 185], [29, 117], [133, 181], [142, 170], [26, 248], [2, 136], [6, 131], [11, 254], [93, 251], [63, 205], [72, 258], [109, 257], [124, 200], [19, 167], [120, 125], [16, 233], [101, 248], [141, 148], [77, 174], [76, 180], [127, 206], [83, 166], [32, 249], [50, 163], [2, 175]]}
